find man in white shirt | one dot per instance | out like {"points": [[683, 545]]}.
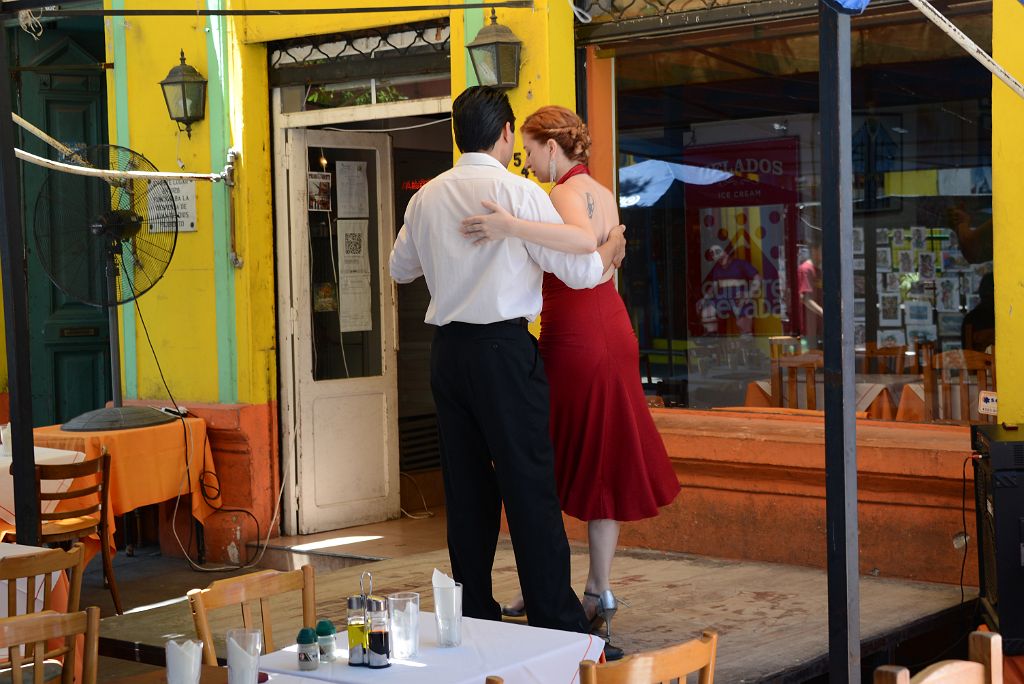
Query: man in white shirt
{"points": [[487, 378]]}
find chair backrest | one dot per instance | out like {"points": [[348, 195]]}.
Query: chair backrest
{"points": [[883, 359], [663, 665], [924, 351], [88, 491], [494, 679], [985, 650], [242, 591], [967, 372], [786, 371], [33, 632], [779, 346], [37, 568]]}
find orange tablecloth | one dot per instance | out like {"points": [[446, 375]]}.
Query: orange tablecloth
{"points": [[875, 400], [147, 465], [911, 406]]}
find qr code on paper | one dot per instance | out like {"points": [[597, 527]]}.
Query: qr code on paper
{"points": [[353, 243]]}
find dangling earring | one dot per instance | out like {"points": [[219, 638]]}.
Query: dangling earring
{"points": [[551, 170]]}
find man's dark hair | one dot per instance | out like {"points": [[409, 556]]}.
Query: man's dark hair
{"points": [[479, 114]]}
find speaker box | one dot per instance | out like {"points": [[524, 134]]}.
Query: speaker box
{"points": [[999, 507]]}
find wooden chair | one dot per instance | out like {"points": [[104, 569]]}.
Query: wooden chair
{"points": [[885, 359], [779, 346], [924, 352], [985, 666], [43, 564], [258, 586], [663, 665], [35, 569], [25, 638], [957, 368], [787, 369], [90, 494]]}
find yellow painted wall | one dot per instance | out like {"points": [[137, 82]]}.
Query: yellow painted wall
{"points": [[548, 74], [179, 311], [254, 282], [1008, 208]]}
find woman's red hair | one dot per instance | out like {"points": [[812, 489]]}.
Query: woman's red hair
{"points": [[564, 127]]}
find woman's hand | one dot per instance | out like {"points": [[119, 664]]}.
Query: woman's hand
{"points": [[494, 226]]}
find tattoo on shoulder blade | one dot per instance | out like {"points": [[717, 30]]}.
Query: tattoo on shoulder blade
{"points": [[590, 205]]}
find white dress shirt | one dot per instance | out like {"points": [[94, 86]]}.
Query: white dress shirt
{"points": [[494, 281]]}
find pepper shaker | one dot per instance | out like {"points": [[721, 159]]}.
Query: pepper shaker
{"points": [[327, 640], [309, 652]]}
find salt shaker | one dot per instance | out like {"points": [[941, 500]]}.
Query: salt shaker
{"points": [[379, 652], [309, 651], [327, 640], [356, 628]]}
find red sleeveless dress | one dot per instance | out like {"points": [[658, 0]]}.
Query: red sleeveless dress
{"points": [[610, 462]]}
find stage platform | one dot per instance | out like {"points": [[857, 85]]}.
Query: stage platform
{"points": [[772, 619]]}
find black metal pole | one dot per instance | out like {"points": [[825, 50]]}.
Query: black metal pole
{"points": [[115, 340], [15, 293], [837, 282]]}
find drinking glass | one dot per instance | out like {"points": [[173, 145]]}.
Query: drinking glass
{"points": [[448, 613], [184, 661], [244, 655], [404, 609]]}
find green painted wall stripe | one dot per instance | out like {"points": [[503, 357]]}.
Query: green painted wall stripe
{"points": [[473, 20], [123, 134], [223, 271]]}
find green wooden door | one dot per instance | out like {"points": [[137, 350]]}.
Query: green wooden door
{"points": [[69, 340]]}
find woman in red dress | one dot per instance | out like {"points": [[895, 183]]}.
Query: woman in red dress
{"points": [[610, 462]]}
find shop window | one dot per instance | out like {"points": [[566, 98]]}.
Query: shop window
{"points": [[719, 174]]}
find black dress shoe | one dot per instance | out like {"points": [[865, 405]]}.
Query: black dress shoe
{"points": [[612, 652]]}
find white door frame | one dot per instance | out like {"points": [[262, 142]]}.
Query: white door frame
{"points": [[290, 192]]}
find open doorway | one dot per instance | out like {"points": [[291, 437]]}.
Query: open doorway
{"points": [[356, 407], [418, 157]]}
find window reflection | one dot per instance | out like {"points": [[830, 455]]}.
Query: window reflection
{"points": [[721, 195]]}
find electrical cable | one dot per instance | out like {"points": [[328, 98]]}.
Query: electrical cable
{"points": [[388, 130], [186, 476], [427, 513], [968, 619]]}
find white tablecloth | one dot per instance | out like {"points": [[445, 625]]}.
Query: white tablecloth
{"points": [[43, 456], [864, 392], [518, 653]]}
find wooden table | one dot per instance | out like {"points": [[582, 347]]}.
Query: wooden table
{"points": [[147, 465]]}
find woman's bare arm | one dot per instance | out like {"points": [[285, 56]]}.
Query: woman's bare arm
{"points": [[500, 224]]}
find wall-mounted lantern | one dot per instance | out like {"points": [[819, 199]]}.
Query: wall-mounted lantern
{"points": [[185, 95], [495, 53]]}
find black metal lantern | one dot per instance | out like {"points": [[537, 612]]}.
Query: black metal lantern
{"points": [[495, 54], [185, 95]]}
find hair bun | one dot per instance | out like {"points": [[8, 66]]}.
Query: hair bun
{"points": [[581, 143]]}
